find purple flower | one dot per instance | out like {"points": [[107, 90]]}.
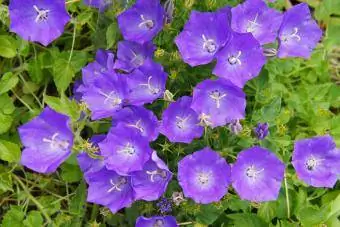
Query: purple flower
{"points": [[299, 33], [314, 161], [48, 141], [235, 127], [151, 182], [257, 175], [157, 221], [140, 119], [77, 87], [256, 17], [38, 21], [131, 55], [146, 84], [203, 35], [164, 205], [227, 11], [100, 4], [125, 150], [180, 123], [88, 165], [142, 22], [241, 60], [105, 95], [204, 176], [218, 102], [261, 130], [110, 189]]}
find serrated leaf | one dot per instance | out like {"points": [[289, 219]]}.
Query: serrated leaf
{"points": [[13, 217], [9, 152], [34, 219], [7, 82], [7, 46], [63, 74]]}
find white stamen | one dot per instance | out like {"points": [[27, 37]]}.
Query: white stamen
{"points": [[252, 25], [112, 98], [137, 126], [209, 45], [152, 89], [128, 150], [180, 122], [42, 14], [205, 120], [117, 186], [137, 59], [54, 143], [203, 178], [293, 35], [149, 24], [235, 59], [217, 96], [154, 173], [312, 163], [253, 173]]}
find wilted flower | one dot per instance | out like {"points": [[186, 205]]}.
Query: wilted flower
{"points": [[314, 161], [48, 141], [146, 84], [161, 221], [218, 102], [203, 36], [261, 130], [177, 198], [142, 22], [164, 205], [180, 123], [110, 189], [38, 21], [256, 17], [140, 119], [235, 127], [204, 176], [150, 183], [169, 8], [299, 33], [131, 55], [257, 175], [241, 60], [125, 150]]}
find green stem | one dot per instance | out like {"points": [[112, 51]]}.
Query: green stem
{"points": [[31, 197], [94, 212], [22, 101], [73, 41], [287, 196], [29, 89]]}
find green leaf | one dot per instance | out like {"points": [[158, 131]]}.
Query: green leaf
{"points": [[249, 220], [77, 205], [9, 151], [70, 173], [310, 216], [64, 105], [5, 122], [267, 211], [34, 219], [63, 74], [208, 214], [5, 180], [13, 217], [112, 35], [7, 46], [50, 203], [7, 82]]}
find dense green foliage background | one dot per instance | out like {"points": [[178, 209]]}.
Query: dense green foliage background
{"points": [[298, 98]]}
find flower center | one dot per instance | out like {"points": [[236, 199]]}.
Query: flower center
{"points": [[117, 186], [312, 163], [153, 90], [205, 119], [235, 59], [157, 172], [55, 143], [137, 125], [181, 122], [159, 223], [148, 24], [252, 172], [217, 96], [137, 59], [42, 14], [203, 178], [209, 45], [128, 150], [111, 98], [293, 35], [252, 24]]}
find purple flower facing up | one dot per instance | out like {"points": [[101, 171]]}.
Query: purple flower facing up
{"points": [[157, 221], [257, 175], [241, 60], [180, 123], [48, 141], [256, 17], [38, 21], [204, 176], [142, 22], [203, 35], [105, 95], [131, 55], [314, 161], [299, 33], [139, 119], [125, 150], [151, 182], [146, 84], [88, 165], [261, 130], [110, 189], [218, 102]]}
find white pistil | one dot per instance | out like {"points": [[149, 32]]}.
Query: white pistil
{"points": [[117, 186], [152, 89], [312, 163], [209, 45], [217, 96], [293, 35], [54, 143], [203, 178], [137, 126], [42, 14], [253, 173], [137, 59], [128, 150], [180, 122], [205, 120], [149, 24], [111, 97], [235, 59], [252, 25], [154, 173]]}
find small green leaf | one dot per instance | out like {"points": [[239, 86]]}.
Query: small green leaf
{"points": [[249, 220], [112, 35], [64, 105], [13, 217], [63, 74], [77, 205], [7, 82], [208, 214], [7, 46], [70, 173], [5, 180], [50, 203], [34, 219], [9, 151]]}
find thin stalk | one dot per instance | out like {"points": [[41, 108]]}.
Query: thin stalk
{"points": [[287, 197], [73, 41], [29, 89], [22, 101]]}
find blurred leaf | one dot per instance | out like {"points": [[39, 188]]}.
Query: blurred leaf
{"points": [[7, 46], [112, 35], [70, 173], [249, 220], [5, 180], [267, 211], [77, 205], [34, 219], [9, 151], [7, 82], [50, 203], [64, 105], [208, 214], [13, 217]]}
